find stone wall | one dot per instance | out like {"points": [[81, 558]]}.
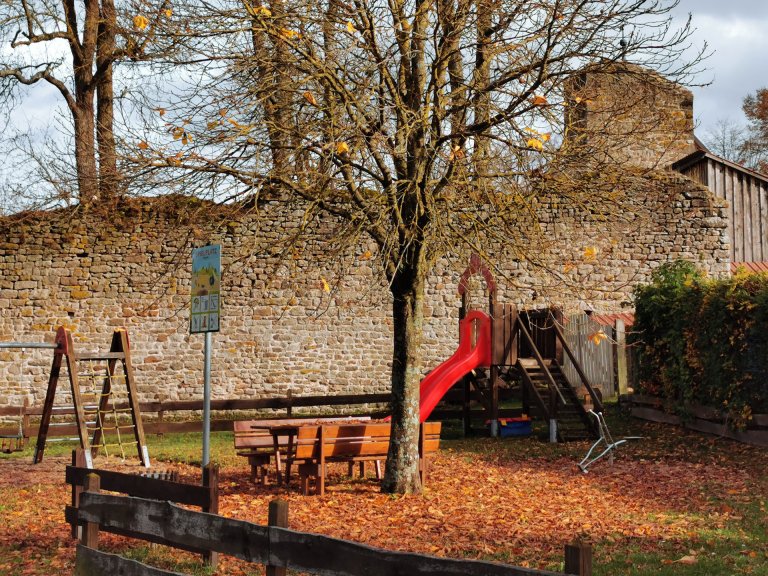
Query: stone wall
{"points": [[281, 331], [631, 114]]}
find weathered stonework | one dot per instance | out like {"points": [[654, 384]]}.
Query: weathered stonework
{"points": [[631, 114], [281, 331]]}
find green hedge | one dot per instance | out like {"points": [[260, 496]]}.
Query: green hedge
{"points": [[704, 341]]}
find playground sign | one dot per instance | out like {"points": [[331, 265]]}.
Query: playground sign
{"points": [[205, 310]]}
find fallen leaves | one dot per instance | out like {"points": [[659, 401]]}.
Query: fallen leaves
{"points": [[518, 501]]}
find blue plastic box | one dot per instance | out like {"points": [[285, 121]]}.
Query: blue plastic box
{"points": [[509, 427]]}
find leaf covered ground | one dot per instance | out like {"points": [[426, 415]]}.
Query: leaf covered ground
{"points": [[675, 502]]}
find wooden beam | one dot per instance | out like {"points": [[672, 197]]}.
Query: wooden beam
{"points": [[278, 547], [90, 562]]}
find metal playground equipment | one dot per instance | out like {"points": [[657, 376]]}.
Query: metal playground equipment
{"points": [[606, 439]]}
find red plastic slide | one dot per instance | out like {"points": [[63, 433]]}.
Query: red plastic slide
{"points": [[465, 359]]}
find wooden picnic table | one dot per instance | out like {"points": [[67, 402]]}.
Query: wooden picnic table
{"points": [[284, 437]]}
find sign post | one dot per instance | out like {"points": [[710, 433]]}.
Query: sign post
{"points": [[205, 313]]}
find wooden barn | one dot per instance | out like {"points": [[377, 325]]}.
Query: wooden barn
{"points": [[747, 194]]}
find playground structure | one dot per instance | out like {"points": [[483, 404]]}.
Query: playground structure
{"points": [[101, 395], [507, 344]]}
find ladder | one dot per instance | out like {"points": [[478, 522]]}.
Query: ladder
{"points": [[106, 413]]}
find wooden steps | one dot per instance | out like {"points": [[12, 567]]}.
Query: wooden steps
{"points": [[573, 422]]}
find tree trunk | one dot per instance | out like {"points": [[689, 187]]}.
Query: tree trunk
{"points": [[105, 116], [402, 470], [85, 150]]}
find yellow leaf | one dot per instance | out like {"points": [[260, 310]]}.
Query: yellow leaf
{"points": [[342, 148], [688, 560], [289, 34], [212, 124], [568, 266], [177, 133], [590, 252], [223, 111], [186, 139], [456, 153], [326, 286], [351, 27], [310, 98], [259, 11], [536, 144], [168, 12], [140, 22], [539, 100], [161, 111], [545, 136], [366, 255], [577, 99], [143, 145], [597, 337]]}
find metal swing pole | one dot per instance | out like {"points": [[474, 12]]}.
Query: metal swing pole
{"points": [[45, 345]]}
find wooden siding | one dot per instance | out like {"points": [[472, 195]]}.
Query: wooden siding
{"points": [[747, 195], [596, 361]]}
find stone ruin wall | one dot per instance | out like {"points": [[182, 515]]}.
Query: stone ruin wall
{"points": [[631, 114], [281, 332]]}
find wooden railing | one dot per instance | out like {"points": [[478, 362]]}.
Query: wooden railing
{"points": [[156, 413], [204, 496], [553, 389], [273, 545]]}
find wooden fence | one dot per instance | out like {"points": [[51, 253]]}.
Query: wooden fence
{"points": [[179, 416], [701, 419], [166, 417], [274, 545], [597, 361], [204, 496]]}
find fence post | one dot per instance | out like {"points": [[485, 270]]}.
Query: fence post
{"points": [[78, 460], [578, 559], [278, 517], [90, 534], [211, 481], [25, 432], [621, 357]]}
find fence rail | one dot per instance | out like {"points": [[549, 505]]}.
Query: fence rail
{"points": [[702, 419], [274, 545], [160, 411]]}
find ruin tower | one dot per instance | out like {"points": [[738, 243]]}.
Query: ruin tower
{"points": [[629, 114]]}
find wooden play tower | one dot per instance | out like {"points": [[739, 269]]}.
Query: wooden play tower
{"points": [[528, 346]]}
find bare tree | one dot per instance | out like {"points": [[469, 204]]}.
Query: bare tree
{"points": [[74, 46], [755, 145], [726, 139], [423, 125]]}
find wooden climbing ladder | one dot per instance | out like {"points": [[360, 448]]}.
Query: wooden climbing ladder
{"points": [[103, 398]]}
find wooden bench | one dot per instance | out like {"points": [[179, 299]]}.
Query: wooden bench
{"points": [[318, 445], [255, 441]]}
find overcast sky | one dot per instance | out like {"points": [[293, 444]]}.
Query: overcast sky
{"points": [[737, 32]]}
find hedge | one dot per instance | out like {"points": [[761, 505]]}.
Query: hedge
{"points": [[704, 341]]}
